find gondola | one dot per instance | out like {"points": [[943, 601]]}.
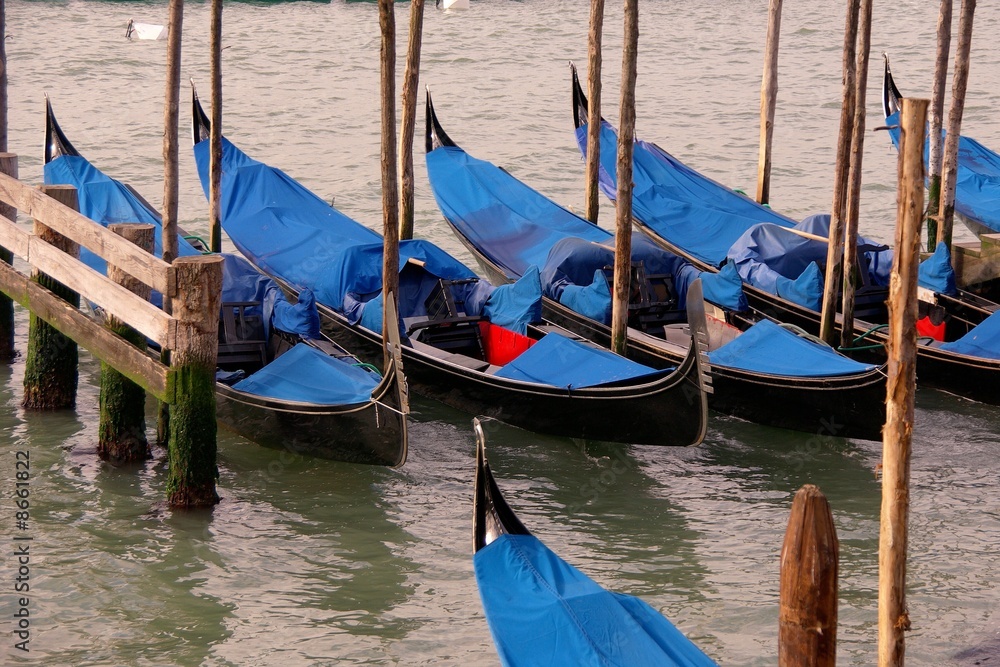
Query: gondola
{"points": [[281, 383], [476, 347], [977, 187], [770, 376], [689, 214], [543, 611]]}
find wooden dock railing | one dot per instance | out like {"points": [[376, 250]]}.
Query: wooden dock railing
{"points": [[191, 285]]}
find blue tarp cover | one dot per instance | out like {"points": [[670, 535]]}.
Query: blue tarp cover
{"points": [[689, 210], [977, 188], [724, 288], [306, 375], [768, 348], [543, 611], [981, 341], [936, 273], [242, 282], [516, 305], [561, 362]]}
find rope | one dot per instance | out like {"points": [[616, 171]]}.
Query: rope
{"points": [[369, 367]]}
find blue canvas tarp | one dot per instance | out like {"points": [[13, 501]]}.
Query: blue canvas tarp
{"points": [[543, 611], [306, 375], [561, 362], [981, 341], [243, 283], [690, 211], [977, 187], [936, 273], [768, 348], [725, 288]]}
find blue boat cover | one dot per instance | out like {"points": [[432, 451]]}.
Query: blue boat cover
{"points": [[982, 341], [687, 209], [107, 201], [543, 611], [936, 273], [242, 282], [306, 375], [516, 305], [977, 188], [562, 362], [725, 288], [770, 349], [291, 233], [778, 261]]}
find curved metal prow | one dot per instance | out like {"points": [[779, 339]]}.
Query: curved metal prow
{"points": [[201, 126], [56, 143], [581, 109], [698, 326], [435, 136], [890, 94], [492, 516]]}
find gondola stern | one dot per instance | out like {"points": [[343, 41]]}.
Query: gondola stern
{"points": [[201, 126], [436, 137], [581, 108], [890, 93], [492, 516], [56, 143]]}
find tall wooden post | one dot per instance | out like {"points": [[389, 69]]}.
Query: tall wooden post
{"points": [[594, 62], [960, 81], [853, 206], [937, 122], [390, 187], [623, 226], [215, 133], [175, 24], [768, 100], [192, 445], [897, 435], [50, 369], [810, 560], [835, 248], [121, 434], [409, 121], [8, 165]]}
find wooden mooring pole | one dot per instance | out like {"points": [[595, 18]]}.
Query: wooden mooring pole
{"points": [[853, 205], [960, 81], [835, 249], [937, 122], [390, 186], [893, 619], [594, 63], [408, 124], [8, 165], [50, 369], [192, 444], [623, 221], [810, 558], [768, 101], [215, 134], [121, 434]]}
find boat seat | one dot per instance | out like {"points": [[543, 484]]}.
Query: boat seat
{"points": [[242, 343], [652, 299], [446, 326], [458, 359]]}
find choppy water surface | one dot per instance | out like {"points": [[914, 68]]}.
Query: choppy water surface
{"points": [[310, 562]]}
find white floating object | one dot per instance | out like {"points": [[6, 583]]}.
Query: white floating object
{"points": [[146, 30], [453, 4]]}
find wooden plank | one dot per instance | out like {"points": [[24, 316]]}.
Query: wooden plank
{"points": [[91, 285], [106, 346], [84, 231], [13, 238]]}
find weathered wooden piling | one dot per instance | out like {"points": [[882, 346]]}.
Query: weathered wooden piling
{"points": [[215, 134], [835, 247], [390, 186], [893, 618], [408, 124], [594, 62], [192, 444], [768, 101], [937, 122], [960, 81], [623, 221], [853, 205], [121, 434], [8, 165], [810, 558], [50, 369]]}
